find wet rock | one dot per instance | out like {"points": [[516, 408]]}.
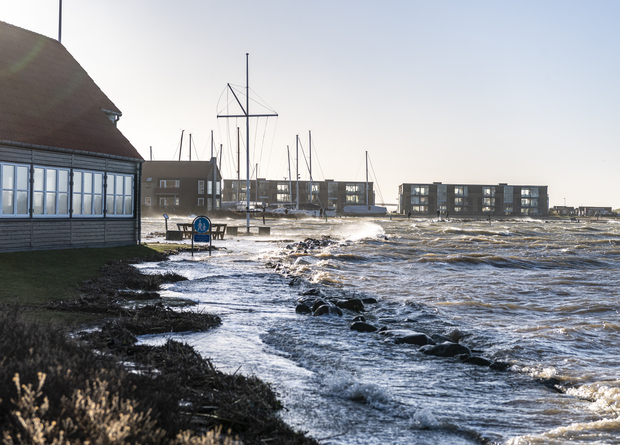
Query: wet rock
{"points": [[405, 336], [369, 300], [414, 339], [353, 304], [295, 282], [359, 318], [312, 291], [552, 383], [445, 349], [361, 326], [303, 309], [456, 335], [500, 366], [327, 310], [317, 304], [476, 360], [438, 338]]}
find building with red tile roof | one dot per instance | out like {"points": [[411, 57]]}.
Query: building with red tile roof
{"points": [[68, 176]]}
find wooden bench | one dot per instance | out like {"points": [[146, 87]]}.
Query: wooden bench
{"points": [[217, 230]]}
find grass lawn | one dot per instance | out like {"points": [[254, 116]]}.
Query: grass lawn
{"points": [[32, 279]]}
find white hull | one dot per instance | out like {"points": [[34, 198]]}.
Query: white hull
{"points": [[364, 210]]}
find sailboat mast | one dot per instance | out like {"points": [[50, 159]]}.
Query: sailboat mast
{"points": [[367, 203], [181, 145], [190, 146], [238, 164], [310, 166], [290, 185], [297, 169], [247, 138]]}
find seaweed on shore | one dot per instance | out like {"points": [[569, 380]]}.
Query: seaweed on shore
{"points": [[175, 395]]}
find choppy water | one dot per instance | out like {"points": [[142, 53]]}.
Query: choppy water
{"points": [[543, 296]]}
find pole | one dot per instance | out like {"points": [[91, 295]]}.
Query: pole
{"points": [[151, 152], [247, 139], [190, 146], [238, 164], [367, 203], [310, 167], [290, 185], [297, 169], [181, 146], [59, 20]]}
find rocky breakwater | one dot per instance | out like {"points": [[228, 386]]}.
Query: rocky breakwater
{"points": [[316, 301]]}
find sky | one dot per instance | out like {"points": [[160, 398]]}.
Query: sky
{"points": [[459, 92]]}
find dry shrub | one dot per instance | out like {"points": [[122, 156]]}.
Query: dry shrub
{"points": [[92, 416]]}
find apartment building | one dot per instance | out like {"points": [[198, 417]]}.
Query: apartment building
{"points": [[328, 194], [473, 200]]}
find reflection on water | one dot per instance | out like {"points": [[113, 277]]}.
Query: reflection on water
{"points": [[543, 296]]}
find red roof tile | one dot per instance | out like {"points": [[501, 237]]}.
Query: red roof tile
{"points": [[46, 98]]}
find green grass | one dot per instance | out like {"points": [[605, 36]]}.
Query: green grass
{"points": [[39, 277]]}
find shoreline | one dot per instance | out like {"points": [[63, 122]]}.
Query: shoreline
{"points": [[206, 399]]}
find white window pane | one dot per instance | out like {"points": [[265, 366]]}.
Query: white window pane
{"points": [[98, 210], [63, 204], [39, 178], [50, 203], [88, 204], [128, 206], [98, 183], [22, 178], [119, 185], [51, 180], [22, 203], [109, 205], [88, 183], [119, 205], [8, 206], [38, 203], [63, 181], [128, 185], [77, 182], [77, 204], [8, 177]]}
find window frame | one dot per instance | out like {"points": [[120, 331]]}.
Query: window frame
{"points": [[15, 190]]}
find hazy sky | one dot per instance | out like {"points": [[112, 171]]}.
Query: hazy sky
{"points": [[456, 91]]}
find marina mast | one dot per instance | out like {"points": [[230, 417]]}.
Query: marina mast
{"points": [[247, 115]]}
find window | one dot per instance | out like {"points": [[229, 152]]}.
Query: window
{"points": [[51, 191], [355, 189], [460, 201], [354, 199], [201, 187], [201, 201], [282, 187], [488, 191], [529, 202], [508, 208], [529, 192], [488, 202], [87, 193], [460, 209], [508, 191], [460, 190], [419, 200], [263, 189], [119, 195], [419, 190], [442, 193], [147, 201], [169, 202], [209, 187], [14, 187], [169, 183], [419, 209]]}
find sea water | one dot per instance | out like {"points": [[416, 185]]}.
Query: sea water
{"points": [[543, 296]]}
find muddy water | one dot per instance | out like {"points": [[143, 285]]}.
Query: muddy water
{"points": [[542, 296]]}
